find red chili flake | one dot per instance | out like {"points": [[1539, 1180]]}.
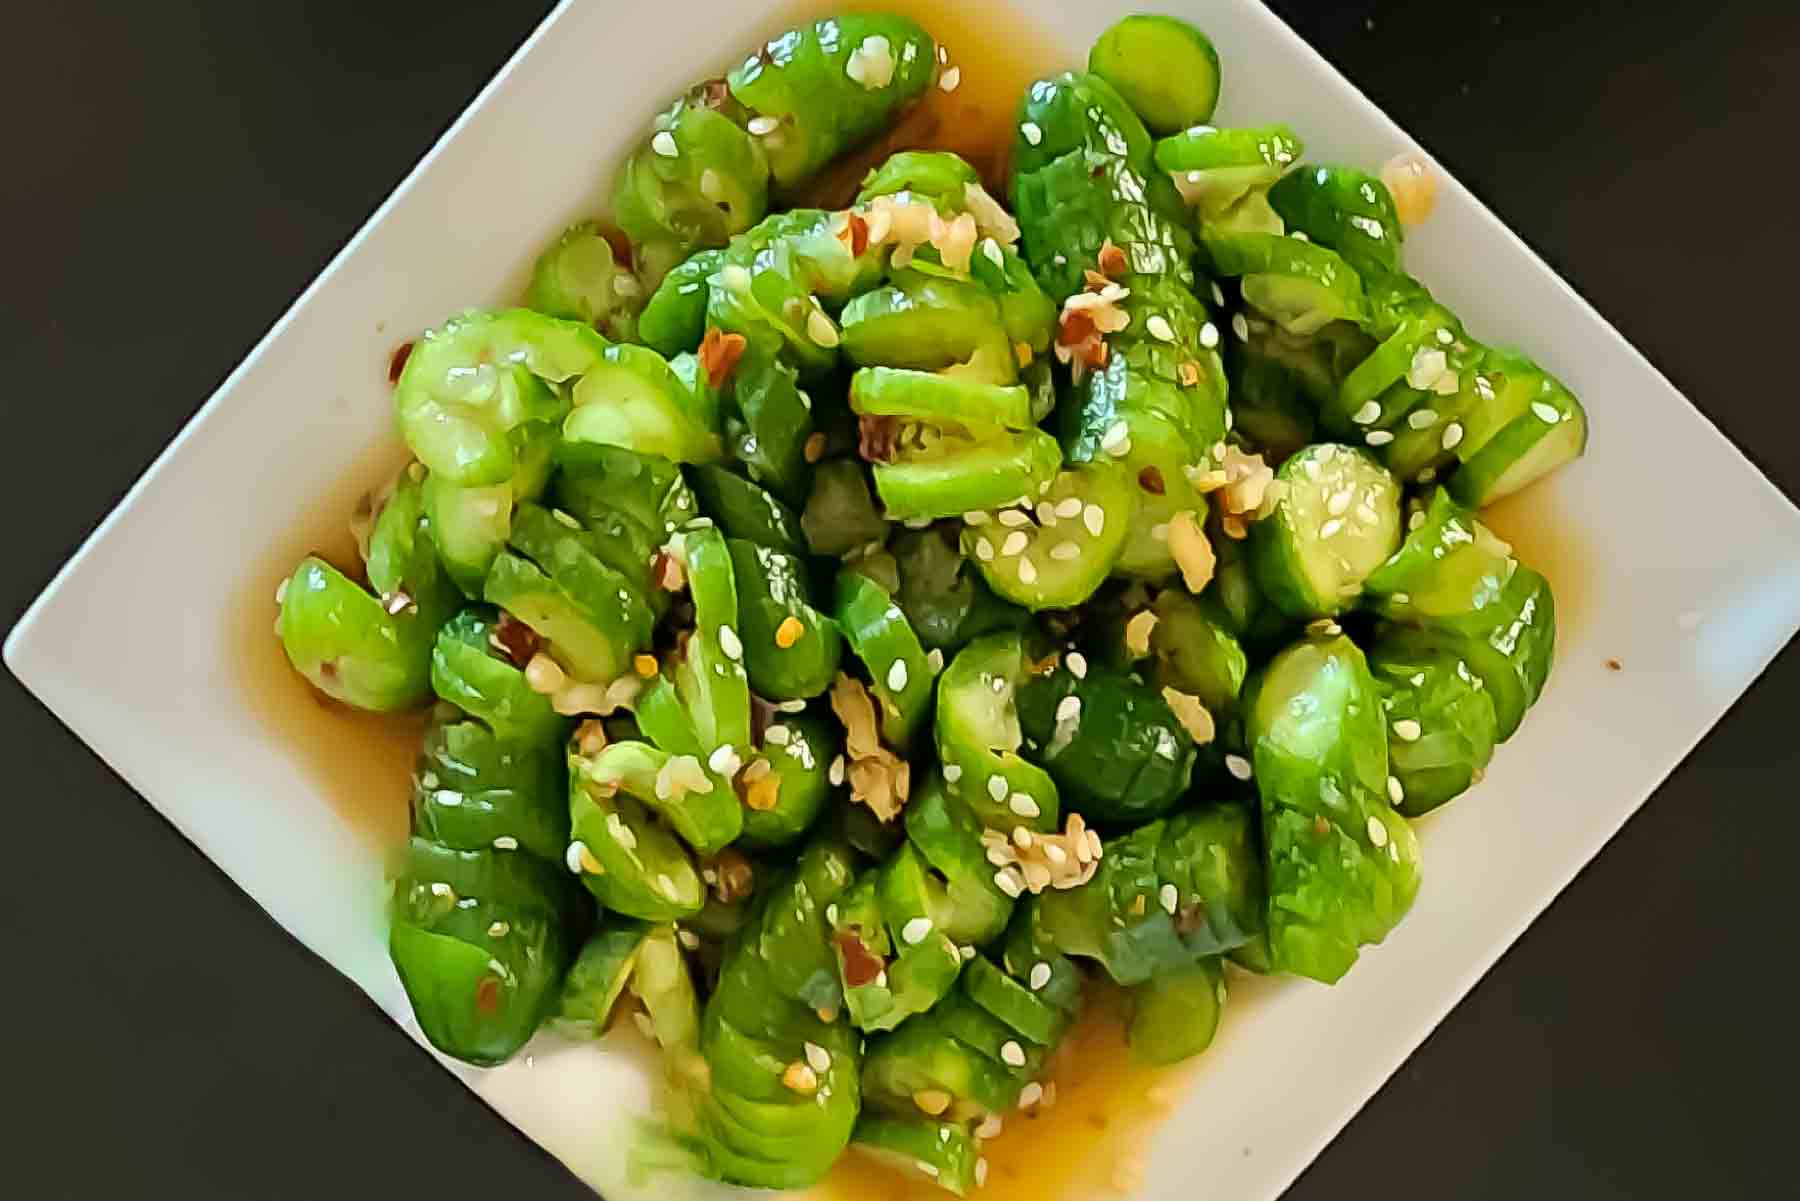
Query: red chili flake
{"points": [[861, 966], [1112, 258], [878, 438], [621, 248], [719, 355], [1098, 353], [1614, 665], [487, 996], [859, 234], [514, 639], [667, 572], [1321, 827], [1096, 282], [397, 361], [1150, 479], [1076, 328]]}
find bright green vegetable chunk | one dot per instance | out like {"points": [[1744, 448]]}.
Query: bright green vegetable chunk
{"points": [[791, 650], [940, 399], [745, 511], [577, 278], [634, 398], [1114, 748], [1525, 425], [1175, 1015], [1344, 209], [831, 85], [900, 678], [768, 420], [1301, 286], [1058, 563], [800, 757], [472, 382], [675, 787], [1343, 867], [935, 175], [468, 671], [1338, 520], [968, 906], [1195, 653], [938, 471], [941, 592], [478, 938], [371, 650], [1166, 68], [942, 1152], [674, 319], [979, 738], [597, 979], [474, 791], [1441, 716]]}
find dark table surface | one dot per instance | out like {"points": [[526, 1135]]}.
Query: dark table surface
{"points": [[178, 171]]}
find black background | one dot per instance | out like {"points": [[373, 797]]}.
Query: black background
{"points": [[177, 171]]}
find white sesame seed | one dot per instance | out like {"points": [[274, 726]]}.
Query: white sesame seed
{"points": [[1015, 542], [1396, 793], [984, 550], [1453, 434], [1160, 532], [664, 144], [777, 735], [1007, 881], [1170, 897], [934, 659], [950, 79], [1408, 730], [572, 857], [916, 931], [668, 887], [1240, 327], [1064, 552], [621, 833], [1068, 709], [1012, 1054], [1415, 521], [499, 929], [1022, 838], [1445, 337], [1028, 572], [975, 517], [1116, 433], [1209, 336], [1033, 134], [795, 706], [896, 676], [817, 1057], [1368, 414], [1030, 1095], [1023, 805], [990, 1127], [997, 787], [820, 329], [1238, 766], [1013, 518], [981, 1171], [952, 772], [836, 772], [1094, 517], [1378, 437], [728, 642], [506, 842], [1377, 832], [1330, 527], [1337, 502], [1159, 328], [762, 126], [1076, 662], [1545, 412], [440, 889]]}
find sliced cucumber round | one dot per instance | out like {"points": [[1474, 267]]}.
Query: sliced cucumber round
{"points": [[1164, 67], [1056, 554], [943, 1152], [1550, 432], [1337, 521], [1302, 286]]}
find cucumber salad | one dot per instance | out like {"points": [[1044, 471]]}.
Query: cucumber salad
{"points": [[850, 634]]}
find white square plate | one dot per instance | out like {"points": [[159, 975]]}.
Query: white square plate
{"points": [[156, 681]]}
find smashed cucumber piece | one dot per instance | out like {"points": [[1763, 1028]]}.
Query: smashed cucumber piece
{"points": [[944, 1153], [969, 907], [632, 397], [941, 593], [1525, 425], [597, 979], [791, 650], [900, 677], [1212, 855], [577, 278], [711, 675], [698, 179], [939, 472], [943, 399], [478, 938], [675, 787], [1345, 210], [630, 861], [1195, 653], [473, 790], [1056, 551], [841, 514], [1338, 520], [1343, 867], [979, 738], [746, 511], [470, 672], [832, 84], [1301, 286], [585, 611], [799, 750], [1175, 1014], [469, 383], [674, 319], [942, 178], [1164, 67], [929, 322], [1114, 748], [1441, 715]]}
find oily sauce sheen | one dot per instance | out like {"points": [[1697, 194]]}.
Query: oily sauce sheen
{"points": [[1090, 1141]]}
